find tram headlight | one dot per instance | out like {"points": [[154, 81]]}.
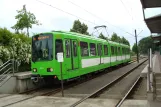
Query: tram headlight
{"points": [[49, 69], [34, 70]]}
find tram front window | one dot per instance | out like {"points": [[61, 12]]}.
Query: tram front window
{"points": [[42, 47]]}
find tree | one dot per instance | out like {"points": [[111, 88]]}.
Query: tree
{"points": [[145, 44], [125, 41], [5, 36], [134, 48], [102, 36], [115, 38], [79, 27], [24, 20]]}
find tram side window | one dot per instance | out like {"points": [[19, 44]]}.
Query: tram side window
{"points": [[58, 47], [84, 49], [112, 50], [75, 48], [92, 49], [119, 52], [123, 51], [105, 50], [128, 51], [67, 48], [99, 49], [116, 51]]}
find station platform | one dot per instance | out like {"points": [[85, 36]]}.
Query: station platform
{"points": [[18, 82], [156, 65], [23, 75], [46, 101], [156, 80]]}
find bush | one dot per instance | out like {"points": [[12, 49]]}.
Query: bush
{"points": [[17, 46], [5, 36], [4, 54]]}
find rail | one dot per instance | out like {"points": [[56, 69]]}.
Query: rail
{"points": [[94, 94], [128, 93]]}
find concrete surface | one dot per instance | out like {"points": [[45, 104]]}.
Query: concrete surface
{"points": [[156, 65], [11, 99], [20, 82], [99, 103], [135, 103], [154, 104], [4, 95], [43, 101]]}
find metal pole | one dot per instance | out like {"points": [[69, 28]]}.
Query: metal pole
{"points": [[62, 87], [136, 47], [148, 74], [151, 71], [13, 66], [150, 59]]}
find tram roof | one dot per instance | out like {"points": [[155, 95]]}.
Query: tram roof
{"points": [[91, 37]]}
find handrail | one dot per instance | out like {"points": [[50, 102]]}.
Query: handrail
{"points": [[4, 73], [4, 63], [5, 67]]}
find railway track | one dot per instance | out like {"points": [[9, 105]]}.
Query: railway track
{"points": [[105, 87], [129, 92], [53, 91]]}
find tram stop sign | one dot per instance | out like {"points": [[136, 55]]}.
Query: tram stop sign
{"points": [[60, 57]]}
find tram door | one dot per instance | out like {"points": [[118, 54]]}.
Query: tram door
{"points": [[75, 61], [71, 51]]}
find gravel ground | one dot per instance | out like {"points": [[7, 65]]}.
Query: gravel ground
{"points": [[94, 84]]}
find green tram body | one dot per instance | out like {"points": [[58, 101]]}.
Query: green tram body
{"points": [[82, 54]]}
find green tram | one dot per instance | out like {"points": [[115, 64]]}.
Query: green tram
{"points": [[82, 55]]}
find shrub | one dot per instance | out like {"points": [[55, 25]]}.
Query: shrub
{"points": [[17, 46]]}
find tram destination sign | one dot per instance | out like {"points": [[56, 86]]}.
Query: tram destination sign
{"points": [[60, 57]]}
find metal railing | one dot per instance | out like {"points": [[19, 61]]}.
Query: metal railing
{"points": [[8, 68]]}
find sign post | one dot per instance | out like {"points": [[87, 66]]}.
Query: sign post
{"points": [[60, 59]]}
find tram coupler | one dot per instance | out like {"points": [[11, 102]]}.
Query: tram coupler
{"points": [[36, 78]]}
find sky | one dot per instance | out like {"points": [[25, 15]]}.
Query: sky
{"points": [[120, 16]]}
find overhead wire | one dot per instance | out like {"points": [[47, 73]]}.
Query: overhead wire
{"points": [[66, 12], [83, 18], [101, 18], [126, 9]]}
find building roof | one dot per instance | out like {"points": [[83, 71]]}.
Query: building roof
{"points": [[150, 3], [154, 24]]}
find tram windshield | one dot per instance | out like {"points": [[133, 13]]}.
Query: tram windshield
{"points": [[42, 47]]}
